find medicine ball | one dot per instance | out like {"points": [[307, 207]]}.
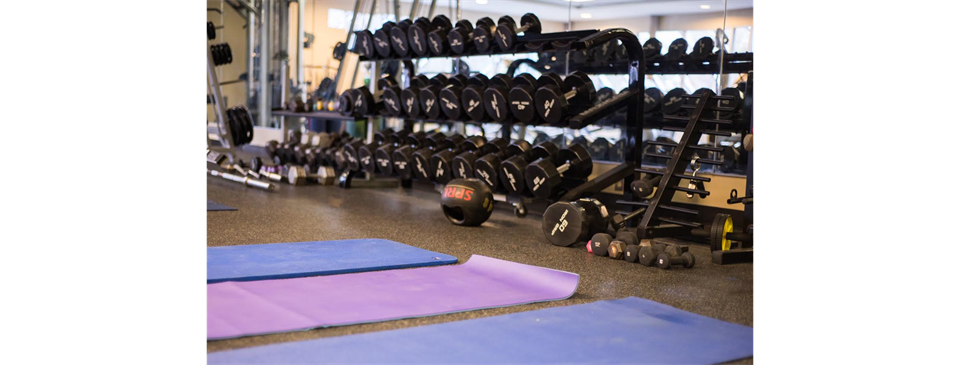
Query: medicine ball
{"points": [[467, 202]]}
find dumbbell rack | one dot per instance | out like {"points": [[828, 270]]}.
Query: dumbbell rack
{"points": [[657, 220]]}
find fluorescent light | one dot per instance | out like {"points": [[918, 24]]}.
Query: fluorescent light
{"points": [[586, 15], [481, 2], [704, 6]]}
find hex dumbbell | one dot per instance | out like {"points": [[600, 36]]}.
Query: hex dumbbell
{"points": [[422, 168], [450, 97], [506, 33], [496, 96], [665, 261], [410, 97], [384, 154], [512, 170], [442, 161], [417, 34], [487, 167], [543, 175], [556, 102], [482, 35], [464, 164], [603, 244], [403, 161], [429, 96]]}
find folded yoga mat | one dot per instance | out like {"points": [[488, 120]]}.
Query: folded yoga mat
{"points": [[299, 259], [214, 206], [629, 330], [237, 309]]}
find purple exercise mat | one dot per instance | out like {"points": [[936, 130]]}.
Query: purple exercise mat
{"points": [[236, 309]]}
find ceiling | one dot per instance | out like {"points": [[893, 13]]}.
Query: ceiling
{"points": [[557, 10]]}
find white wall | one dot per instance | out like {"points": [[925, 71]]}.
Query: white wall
{"points": [[699, 21]]}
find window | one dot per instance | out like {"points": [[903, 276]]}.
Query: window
{"points": [[340, 19]]}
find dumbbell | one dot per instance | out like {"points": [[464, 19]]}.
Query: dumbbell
{"points": [[364, 44], [402, 157], [398, 35], [429, 95], [392, 96], [496, 96], [521, 95], [651, 49], [464, 164], [410, 96], [381, 38], [673, 101], [648, 254], [439, 39], [652, 98], [352, 151], [487, 167], [664, 261], [459, 39], [348, 103], [422, 168], [299, 175], [702, 49], [677, 50], [603, 244], [736, 103], [512, 170], [417, 34], [566, 223], [471, 99], [367, 152], [384, 154], [369, 104], [645, 187], [506, 33], [543, 176], [442, 161], [482, 36], [599, 148], [695, 101], [450, 97], [556, 102]]}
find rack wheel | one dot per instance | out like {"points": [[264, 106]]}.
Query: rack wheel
{"points": [[722, 224]]}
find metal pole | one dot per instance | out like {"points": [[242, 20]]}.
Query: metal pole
{"points": [[251, 43], [283, 46], [301, 6], [213, 85], [413, 8], [264, 82], [336, 78], [373, 9], [433, 6]]}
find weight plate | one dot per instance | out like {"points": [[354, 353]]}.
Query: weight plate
{"points": [[722, 224]]}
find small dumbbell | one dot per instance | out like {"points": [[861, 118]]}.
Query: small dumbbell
{"points": [[645, 187], [429, 95], [450, 97], [298, 175], [566, 223], [521, 96], [512, 169], [381, 38], [495, 96], [398, 35], [363, 45], [506, 33], [556, 102], [702, 49], [677, 50], [422, 168], [543, 175], [651, 49], [410, 97], [603, 244], [648, 254], [403, 161], [417, 34], [442, 161], [673, 101], [487, 167], [464, 164], [384, 154], [631, 253], [482, 35], [652, 98], [599, 148], [664, 261]]}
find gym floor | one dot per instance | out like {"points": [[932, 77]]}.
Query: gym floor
{"points": [[413, 217]]}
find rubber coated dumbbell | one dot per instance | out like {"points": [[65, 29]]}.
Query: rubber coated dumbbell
{"points": [[459, 39], [521, 95], [673, 101], [450, 98], [403, 161], [363, 45], [677, 50], [603, 244], [417, 34], [429, 96], [631, 253], [736, 103], [368, 152], [482, 35], [648, 254], [410, 97], [652, 98], [543, 176], [495, 96], [442, 161], [347, 104], [368, 103], [566, 223], [398, 35], [381, 38], [384, 154], [651, 49], [439, 39], [702, 49], [421, 157], [464, 164], [646, 186], [358, 162], [390, 96], [556, 102], [664, 261], [471, 99], [506, 33], [512, 170], [488, 166]]}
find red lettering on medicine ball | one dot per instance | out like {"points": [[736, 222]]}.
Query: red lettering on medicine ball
{"points": [[459, 193], [467, 195], [448, 192]]}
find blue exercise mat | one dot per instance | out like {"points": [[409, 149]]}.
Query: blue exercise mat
{"points": [[628, 331], [214, 206], [298, 259]]}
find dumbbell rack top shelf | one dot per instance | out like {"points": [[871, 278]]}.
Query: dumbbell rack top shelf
{"points": [[533, 43], [733, 63]]}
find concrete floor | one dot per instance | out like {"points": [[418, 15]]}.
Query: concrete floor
{"points": [[413, 217]]}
